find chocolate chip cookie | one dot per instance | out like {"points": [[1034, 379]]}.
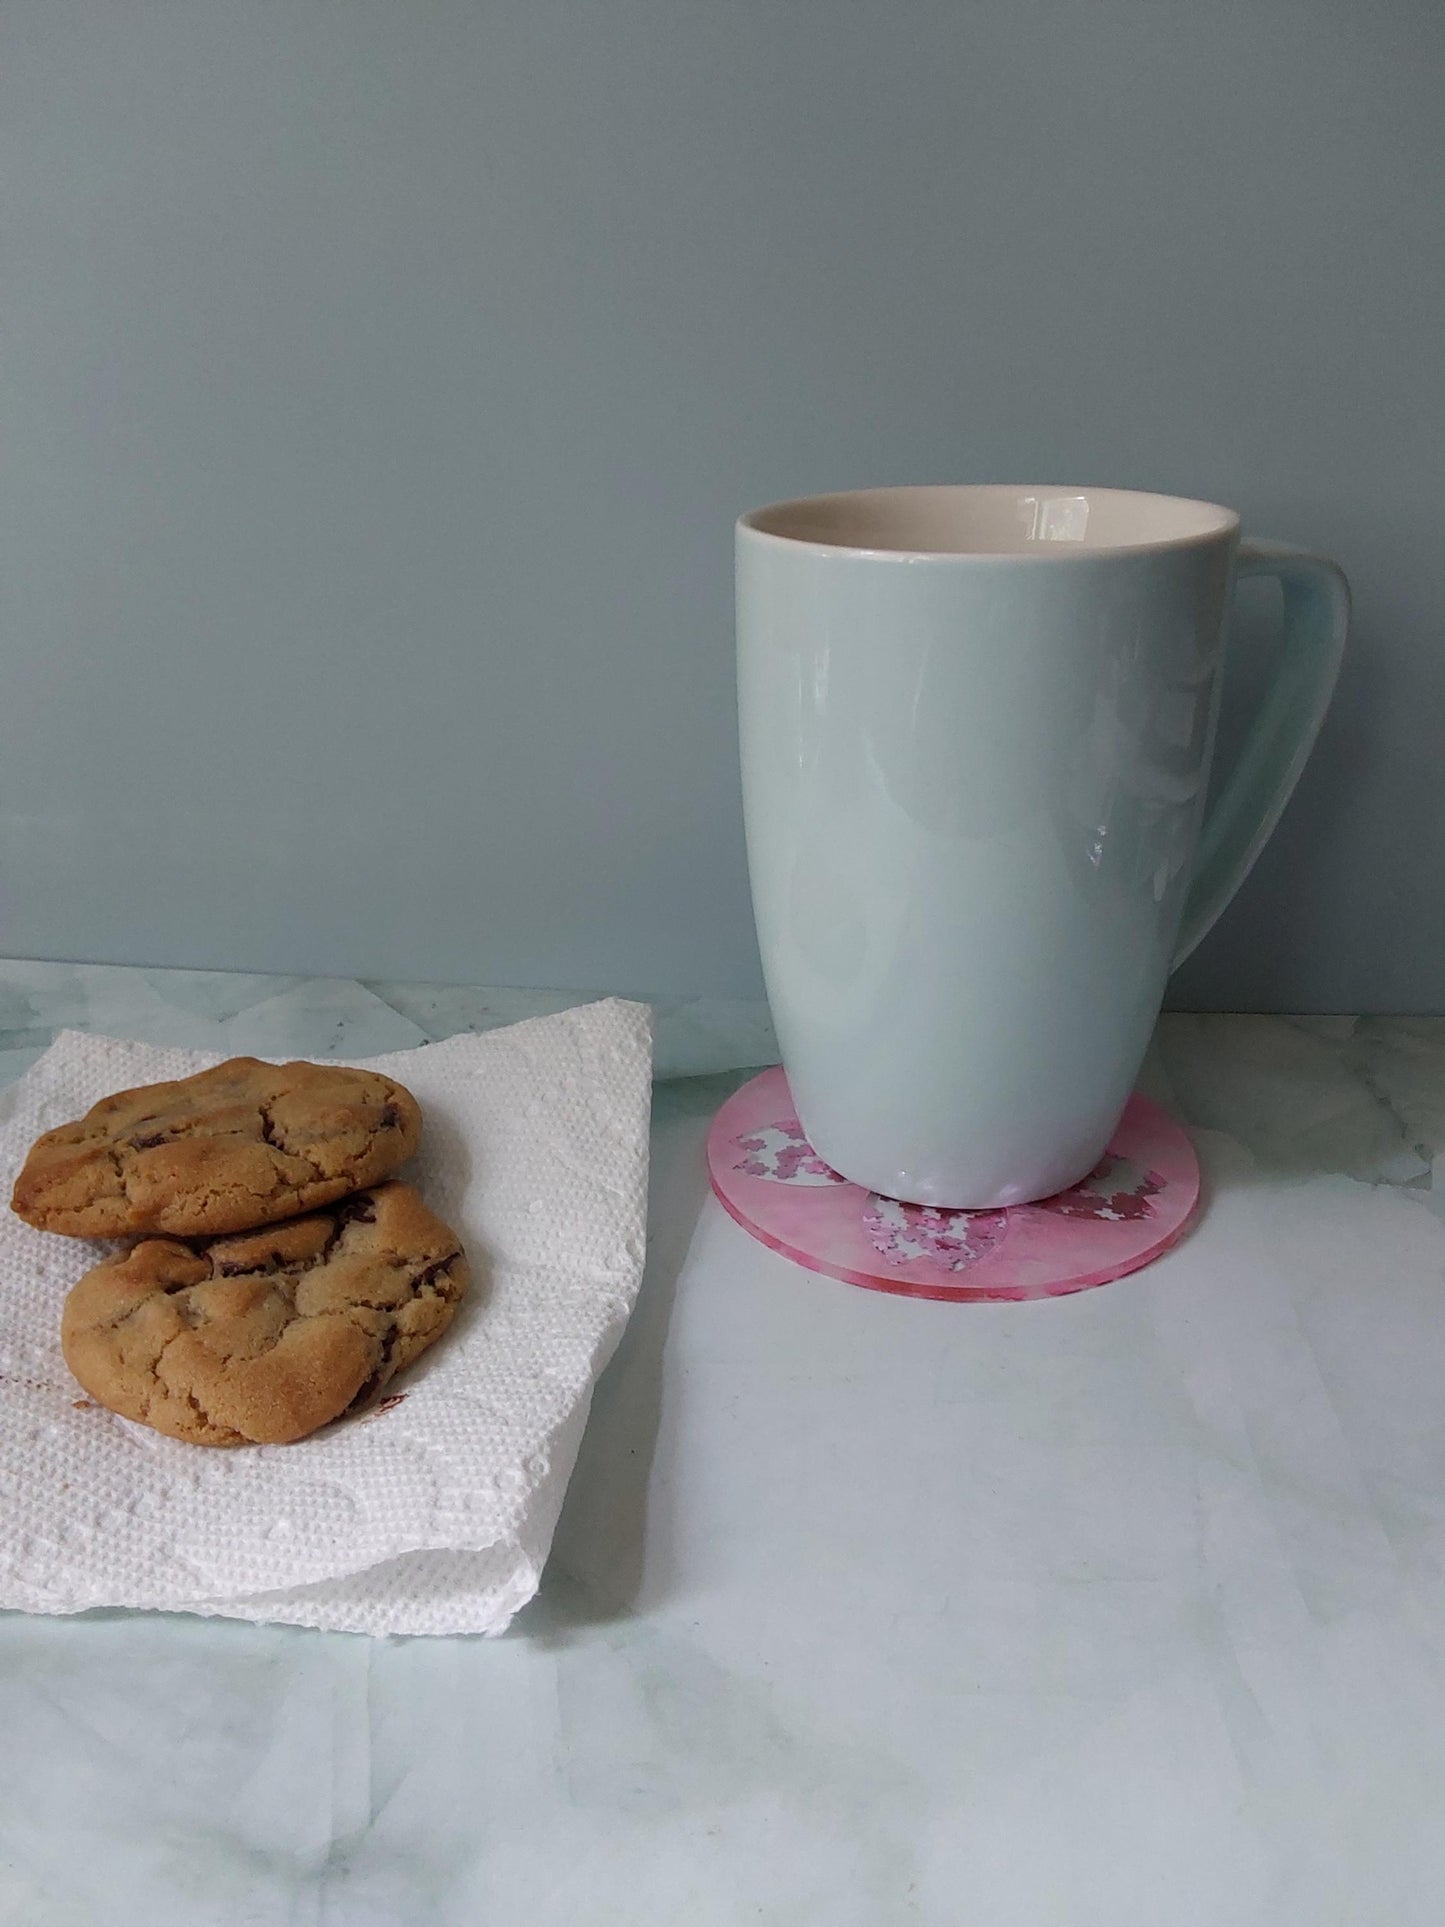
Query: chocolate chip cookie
{"points": [[263, 1338], [240, 1145]]}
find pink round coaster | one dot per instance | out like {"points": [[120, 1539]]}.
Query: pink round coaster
{"points": [[1134, 1205]]}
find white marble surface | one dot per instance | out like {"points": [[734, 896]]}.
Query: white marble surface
{"points": [[319, 1017], [1127, 1608]]}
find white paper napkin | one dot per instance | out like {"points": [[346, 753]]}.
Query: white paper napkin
{"points": [[431, 1514]]}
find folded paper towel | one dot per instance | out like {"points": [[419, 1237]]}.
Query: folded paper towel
{"points": [[432, 1513]]}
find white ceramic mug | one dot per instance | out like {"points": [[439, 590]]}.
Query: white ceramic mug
{"points": [[977, 727]]}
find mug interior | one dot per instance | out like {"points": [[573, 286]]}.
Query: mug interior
{"points": [[992, 520]]}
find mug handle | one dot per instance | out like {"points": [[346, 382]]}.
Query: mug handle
{"points": [[1253, 795]]}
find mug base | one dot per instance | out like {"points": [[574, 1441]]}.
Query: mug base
{"points": [[1133, 1206]]}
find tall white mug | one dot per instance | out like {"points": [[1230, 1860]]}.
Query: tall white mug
{"points": [[977, 726]]}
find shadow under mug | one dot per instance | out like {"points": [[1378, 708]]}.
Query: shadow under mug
{"points": [[977, 726]]}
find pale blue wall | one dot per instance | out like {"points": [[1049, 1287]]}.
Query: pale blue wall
{"points": [[379, 380]]}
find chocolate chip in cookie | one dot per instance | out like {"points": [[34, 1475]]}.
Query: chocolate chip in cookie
{"points": [[265, 1337], [242, 1144]]}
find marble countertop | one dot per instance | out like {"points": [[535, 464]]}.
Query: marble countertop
{"points": [[1122, 1608]]}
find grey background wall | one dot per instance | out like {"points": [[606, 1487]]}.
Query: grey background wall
{"points": [[380, 379]]}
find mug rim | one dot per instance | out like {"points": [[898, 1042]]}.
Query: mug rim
{"points": [[1216, 523]]}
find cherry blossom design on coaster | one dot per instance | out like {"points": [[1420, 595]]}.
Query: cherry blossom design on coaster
{"points": [[953, 1240], [1116, 1193], [781, 1152], [1126, 1212]]}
